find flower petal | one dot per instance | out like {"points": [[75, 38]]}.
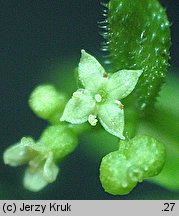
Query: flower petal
{"points": [[50, 169], [40, 173], [20, 153], [34, 181], [122, 83], [111, 117], [79, 107], [90, 72]]}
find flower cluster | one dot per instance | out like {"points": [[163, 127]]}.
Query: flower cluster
{"points": [[99, 99]]}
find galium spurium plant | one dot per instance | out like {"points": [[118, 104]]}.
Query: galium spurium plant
{"points": [[116, 97]]}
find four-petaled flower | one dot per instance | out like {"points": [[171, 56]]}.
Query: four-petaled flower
{"points": [[101, 96], [42, 169], [55, 143]]}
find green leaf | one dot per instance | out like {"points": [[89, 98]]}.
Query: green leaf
{"points": [[138, 38]]}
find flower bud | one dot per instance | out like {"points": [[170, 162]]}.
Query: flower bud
{"points": [[47, 103], [60, 139]]}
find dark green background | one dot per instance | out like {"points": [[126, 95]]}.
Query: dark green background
{"points": [[35, 36]]}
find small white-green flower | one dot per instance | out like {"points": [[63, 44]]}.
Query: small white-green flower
{"points": [[101, 96], [55, 143], [42, 169]]}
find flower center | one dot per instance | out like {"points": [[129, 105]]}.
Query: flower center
{"points": [[100, 96], [92, 120]]}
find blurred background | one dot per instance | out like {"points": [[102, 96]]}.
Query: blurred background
{"points": [[36, 39]]}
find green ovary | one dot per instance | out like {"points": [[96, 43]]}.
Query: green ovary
{"points": [[137, 159]]}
